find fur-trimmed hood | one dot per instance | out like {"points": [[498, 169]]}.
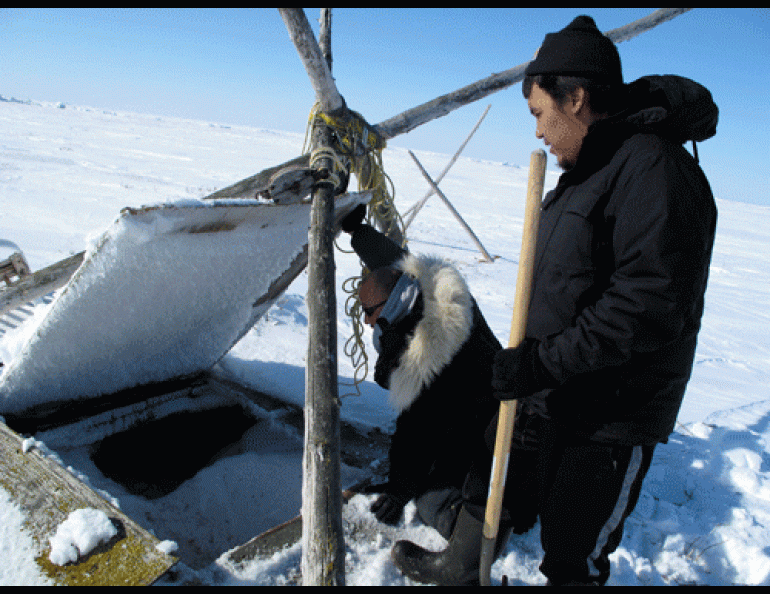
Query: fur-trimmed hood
{"points": [[446, 324]]}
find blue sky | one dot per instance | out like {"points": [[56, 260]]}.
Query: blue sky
{"points": [[238, 66]]}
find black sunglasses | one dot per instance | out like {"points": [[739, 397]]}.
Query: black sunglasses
{"points": [[369, 311]]}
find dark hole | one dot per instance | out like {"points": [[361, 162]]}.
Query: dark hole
{"points": [[154, 459]]}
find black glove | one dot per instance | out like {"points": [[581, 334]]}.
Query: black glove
{"points": [[518, 373], [387, 508], [352, 222]]}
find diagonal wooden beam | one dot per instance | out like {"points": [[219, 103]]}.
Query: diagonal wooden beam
{"points": [[412, 118], [313, 59], [452, 208]]}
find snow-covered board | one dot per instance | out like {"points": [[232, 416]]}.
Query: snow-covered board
{"points": [[47, 494], [164, 293]]}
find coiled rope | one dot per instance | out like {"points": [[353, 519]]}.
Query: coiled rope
{"points": [[357, 149]]}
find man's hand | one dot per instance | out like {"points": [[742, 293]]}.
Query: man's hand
{"points": [[389, 506], [518, 373]]}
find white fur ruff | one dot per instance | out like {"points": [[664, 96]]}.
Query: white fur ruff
{"points": [[445, 326]]}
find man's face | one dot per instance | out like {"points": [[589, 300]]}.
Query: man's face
{"points": [[557, 126], [373, 299]]}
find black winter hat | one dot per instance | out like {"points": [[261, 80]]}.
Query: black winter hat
{"points": [[579, 49]]}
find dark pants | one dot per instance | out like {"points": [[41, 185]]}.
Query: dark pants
{"points": [[438, 505], [582, 493], [439, 508]]}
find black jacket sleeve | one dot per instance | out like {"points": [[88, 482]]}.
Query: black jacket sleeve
{"points": [[375, 249]]}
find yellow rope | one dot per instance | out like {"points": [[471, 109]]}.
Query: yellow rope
{"points": [[339, 165], [354, 346], [359, 145]]}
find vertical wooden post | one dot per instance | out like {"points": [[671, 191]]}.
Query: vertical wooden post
{"points": [[323, 550], [323, 545]]}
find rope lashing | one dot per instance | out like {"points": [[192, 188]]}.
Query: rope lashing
{"points": [[335, 175], [357, 149]]}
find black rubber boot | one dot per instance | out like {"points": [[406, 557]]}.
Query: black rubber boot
{"points": [[458, 563]]}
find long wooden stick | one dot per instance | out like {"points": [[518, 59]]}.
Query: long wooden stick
{"points": [[417, 207], [323, 546], [507, 414], [316, 64], [441, 106], [452, 209]]}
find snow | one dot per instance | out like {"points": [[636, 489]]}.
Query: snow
{"points": [[703, 516], [17, 549], [79, 534]]}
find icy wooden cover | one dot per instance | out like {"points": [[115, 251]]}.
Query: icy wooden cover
{"points": [[165, 292]]}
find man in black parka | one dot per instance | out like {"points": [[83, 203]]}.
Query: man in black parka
{"points": [[622, 259], [435, 353]]}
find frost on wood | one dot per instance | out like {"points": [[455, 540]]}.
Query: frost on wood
{"points": [[164, 293]]}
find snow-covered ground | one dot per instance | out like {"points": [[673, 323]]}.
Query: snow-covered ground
{"points": [[65, 173]]}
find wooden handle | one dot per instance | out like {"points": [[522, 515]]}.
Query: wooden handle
{"points": [[507, 414]]}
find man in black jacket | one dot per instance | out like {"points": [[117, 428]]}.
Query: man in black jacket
{"points": [[622, 259], [435, 354]]}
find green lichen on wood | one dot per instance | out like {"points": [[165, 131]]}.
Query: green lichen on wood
{"points": [[46, 493], [117, 563]]}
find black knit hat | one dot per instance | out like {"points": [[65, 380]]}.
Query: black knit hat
{"points": [[579, 49]]}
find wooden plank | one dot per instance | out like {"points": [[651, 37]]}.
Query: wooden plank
{"points": [[278, 538], [39, 283], [13, 266], [46, 493]]}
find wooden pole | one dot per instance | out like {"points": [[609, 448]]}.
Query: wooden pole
{"points": [[325, 36], [315, 64], [507, 414], [323, 550], [412, 118], [323, 546], [452, 209], [417, 207]]}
